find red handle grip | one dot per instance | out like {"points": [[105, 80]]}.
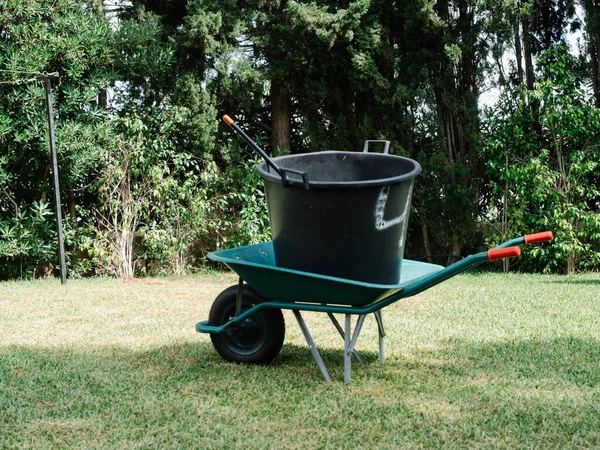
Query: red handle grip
{"points": [[501, 253], [228, 120], [538, 237]]}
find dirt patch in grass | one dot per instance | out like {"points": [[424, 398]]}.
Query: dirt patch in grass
{"points": [[146, 281]]}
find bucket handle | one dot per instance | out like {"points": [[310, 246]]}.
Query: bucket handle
{"points": [[286, 181], [281, 171], [386, 145]]}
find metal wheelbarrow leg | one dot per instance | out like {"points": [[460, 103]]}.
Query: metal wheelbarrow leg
{"points": [[311, 345], [350, 338]]}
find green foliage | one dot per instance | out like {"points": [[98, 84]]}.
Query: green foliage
{"points": [[151, 206], [550, 179], [142, 58], [27, 241], [150, 182], [240, 203], [74, 39], [444, 193]]}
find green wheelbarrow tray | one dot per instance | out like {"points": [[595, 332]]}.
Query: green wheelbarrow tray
{"points": [[255, 264], [275, 288]]}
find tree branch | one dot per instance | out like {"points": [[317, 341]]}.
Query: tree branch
{"points": [[10, 199]]}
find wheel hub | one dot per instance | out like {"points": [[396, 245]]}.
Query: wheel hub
{"points": [[247, 336]]}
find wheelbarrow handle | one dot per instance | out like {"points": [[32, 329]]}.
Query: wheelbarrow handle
{"points": [[501, 253], [538, 237], [528, 239], [508, 249]]}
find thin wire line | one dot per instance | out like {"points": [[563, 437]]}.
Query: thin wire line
{"points": [[20, 71], [39, 76], [23, 81]]}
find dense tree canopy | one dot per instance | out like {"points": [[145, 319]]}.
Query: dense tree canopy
{"points": [[151, 180]]}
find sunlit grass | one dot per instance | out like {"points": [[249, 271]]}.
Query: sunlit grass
{"points": [[485, 361]]}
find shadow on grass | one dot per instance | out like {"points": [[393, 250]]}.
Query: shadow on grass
{"points": [[574, 360], [571, 360], [579, 282], [171, 396]]}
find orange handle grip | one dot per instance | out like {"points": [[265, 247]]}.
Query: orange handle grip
{"points": [[538, 237], [501, 253], [228, 120]]}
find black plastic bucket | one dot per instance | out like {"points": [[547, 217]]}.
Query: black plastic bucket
{"points": [[347, 218]]}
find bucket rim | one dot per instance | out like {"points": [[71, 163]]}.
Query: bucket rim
{"points": [[294, 180]]}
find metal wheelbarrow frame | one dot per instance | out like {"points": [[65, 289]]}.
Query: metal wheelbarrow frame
{"points": [[246, 324]]}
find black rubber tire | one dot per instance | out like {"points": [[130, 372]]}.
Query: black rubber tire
{"points": [[257, 340]]}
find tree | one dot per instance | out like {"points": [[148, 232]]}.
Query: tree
{"points": [[73, 38], [553, 184], [455, 67], [592, 33]]}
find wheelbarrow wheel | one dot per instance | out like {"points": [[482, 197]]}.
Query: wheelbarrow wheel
{"points": [[257, 339]]}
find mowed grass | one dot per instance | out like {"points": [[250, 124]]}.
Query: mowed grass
{"points": [[480, 361]]}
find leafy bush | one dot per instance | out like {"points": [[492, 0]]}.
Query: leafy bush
{"points": [[28, 242], [543, 159], [237, 204]]}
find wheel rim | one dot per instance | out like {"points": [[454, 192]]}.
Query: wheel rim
{"points": [[248, 336]]}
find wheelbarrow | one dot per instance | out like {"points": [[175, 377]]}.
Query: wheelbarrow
{"points": [[246, 323]]}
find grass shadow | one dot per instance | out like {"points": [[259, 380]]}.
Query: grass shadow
{"points": [[579, 282], [64, 392], [556, 361], [572, 359]]}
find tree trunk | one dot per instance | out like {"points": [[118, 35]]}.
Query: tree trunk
{"points": [[595, 57], [570, 265], [280, 97], [426, 242], [592, 13], [72, 204], [455, 250], [447, 123], [518, 55], [281, 125], [529, 78], [103, 98]]}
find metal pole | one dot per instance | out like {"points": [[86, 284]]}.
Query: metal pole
{"points": [[347, 348], [59, 224], [380, 332]]}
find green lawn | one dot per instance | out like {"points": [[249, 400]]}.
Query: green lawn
{"points": [[480, 361]]}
